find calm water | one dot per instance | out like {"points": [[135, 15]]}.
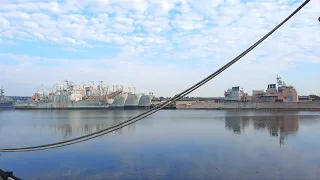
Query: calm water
{"points": [[171, 144]]}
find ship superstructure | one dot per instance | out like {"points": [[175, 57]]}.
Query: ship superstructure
{"points": [[67, 95], [273, 93], [276, 96], [234, 94], [282, 93]]}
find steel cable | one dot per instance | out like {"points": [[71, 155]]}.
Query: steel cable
{"points": [[158, 107]]}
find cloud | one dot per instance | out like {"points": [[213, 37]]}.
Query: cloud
{"points": [[70, 49], [193, 38]]}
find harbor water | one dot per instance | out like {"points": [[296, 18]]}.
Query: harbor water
{"points": [[170, 144]]}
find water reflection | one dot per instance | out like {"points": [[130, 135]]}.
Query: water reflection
{"points": [[237, 124], [168, 145], [81, 122], [278, 125], [69, 130], [71, 123]]}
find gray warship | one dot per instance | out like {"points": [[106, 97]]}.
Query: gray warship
{"points": [[4, 102], [145, 101], [70, 96], [66, 96], [133, 99], [276, 97]]}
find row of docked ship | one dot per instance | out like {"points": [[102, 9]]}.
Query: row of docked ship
{"points": [[66, 95], [277, 97]]}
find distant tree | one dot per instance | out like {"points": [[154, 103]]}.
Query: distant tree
{"points": [[315, 97]]}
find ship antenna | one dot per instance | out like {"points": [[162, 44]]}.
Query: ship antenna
{"points": [[1, 91]]}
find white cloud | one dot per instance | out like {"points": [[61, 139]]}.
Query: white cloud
{"points": [[202, 34], [124, 20], [15, 16]]}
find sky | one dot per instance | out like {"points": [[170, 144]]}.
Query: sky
{"points": [[158, 46]]}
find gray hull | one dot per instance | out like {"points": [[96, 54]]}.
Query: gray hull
{"points": [[315, 105], [62, 102], [6, 104], [119, 101], [51, 105], [145, 101], [132, 101]]}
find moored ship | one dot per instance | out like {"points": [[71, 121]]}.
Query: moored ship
{"points": [[70, 96], [119, 101], [281, 97], [133, 99], [66, 96], [145, 101]]}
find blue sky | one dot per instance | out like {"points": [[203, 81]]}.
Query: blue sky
{"points": [[158, 46]]}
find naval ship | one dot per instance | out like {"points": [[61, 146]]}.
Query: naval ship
{"points": [[70, 96], [145, 101], [276, 97], [4, 102]]}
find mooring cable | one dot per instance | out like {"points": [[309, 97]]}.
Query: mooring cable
{"points": [[158, 107]]}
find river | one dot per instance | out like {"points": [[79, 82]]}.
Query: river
{"points": [[170, 144]]}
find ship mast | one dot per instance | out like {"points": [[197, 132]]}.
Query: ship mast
{"points": [[1, 91], [279, 82]]}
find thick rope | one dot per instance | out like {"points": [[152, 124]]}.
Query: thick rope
{"points": [[158, 107]]}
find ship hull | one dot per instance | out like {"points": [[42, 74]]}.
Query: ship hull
{"points": [[82, 104], [297, 106], [119, 101], [132, 101], [145, 101], [6, 105]]}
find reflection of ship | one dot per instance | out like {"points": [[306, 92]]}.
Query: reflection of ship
{"points": [[69, 96], [236, 123], [281, 126], [283, 97], [287, 127], [68, 130], [4, 102], [85, 122]]}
